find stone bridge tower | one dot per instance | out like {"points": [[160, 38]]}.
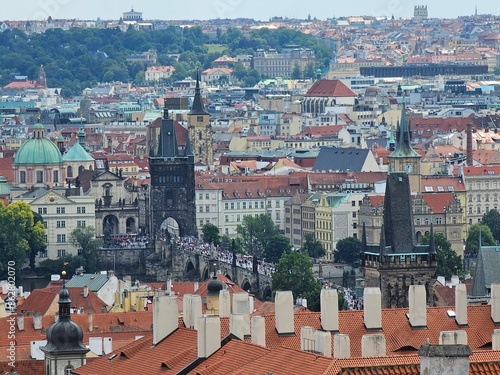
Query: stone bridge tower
{"points": [[172, 191]]}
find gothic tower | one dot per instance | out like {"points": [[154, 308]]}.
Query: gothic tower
{"points": [[200, 130], [404, 158], [172, 191], [64, 350], [397, 261]]}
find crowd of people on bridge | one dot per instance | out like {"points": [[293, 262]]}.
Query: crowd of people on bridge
{"points": [[197, 246], [352, 302]]}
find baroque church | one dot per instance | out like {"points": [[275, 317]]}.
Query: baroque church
{"points": [[398, 261]]}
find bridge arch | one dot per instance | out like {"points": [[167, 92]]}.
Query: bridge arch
{"points": [[190, 268], [267, 294], [228, 276], [170, 227], [246, 285]]}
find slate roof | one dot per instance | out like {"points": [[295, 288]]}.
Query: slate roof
{"points": [[341, 159], [486, 273], [93, 281]]}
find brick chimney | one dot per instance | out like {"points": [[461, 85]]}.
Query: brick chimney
{"points": [[469, 145], [495, 303], [373, 345], [461, 304], [208, 336], [417, 306], [452, 338], [284, 313], [341, 346], [329, 300], [372, 308], [259, 330], [165, 317], [224, 303], [444, 359]]}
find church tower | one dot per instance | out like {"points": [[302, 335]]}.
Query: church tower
{"points": [[404, 159], [200, 130], [172, 191], [397, 261], [64, 350], [42, 77]]}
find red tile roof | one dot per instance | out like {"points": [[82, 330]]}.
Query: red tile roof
{"points": [[332, 88]]}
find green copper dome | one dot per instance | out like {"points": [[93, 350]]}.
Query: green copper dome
{"points": [[38, 150]]}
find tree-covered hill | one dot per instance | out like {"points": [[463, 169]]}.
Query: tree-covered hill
{"points": [[80, 58]]}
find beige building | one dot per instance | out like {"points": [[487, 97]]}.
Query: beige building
{"points": [[273, 64], [157, 73]]}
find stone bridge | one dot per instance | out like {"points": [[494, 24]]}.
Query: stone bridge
{"points": [[170, 262]]}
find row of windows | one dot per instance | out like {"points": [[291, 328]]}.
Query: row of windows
{"points": [[486, 197], [240, 205], [61, 210], [39, 177]]}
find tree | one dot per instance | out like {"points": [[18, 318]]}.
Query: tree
{"points": [[211, 234], [492, 220], [296, 72], [294, 272], [313, 247], [347, 251], [277, 245], [255, 234], [472, 243], [20, 233], [85, 241], [449, 263], [37, 243]]}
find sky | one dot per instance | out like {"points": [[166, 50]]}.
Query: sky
{"points": [[257, 9]]}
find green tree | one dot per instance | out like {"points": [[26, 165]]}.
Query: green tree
{"points": [[294, 272], [87, 244], [449, 263], [66, 263], [255, 233], [36, 241], [347, 251], [313, 247], [20, 233], [277, 245], [296, 72], [472, 243], [211, 234], [492, 220]]}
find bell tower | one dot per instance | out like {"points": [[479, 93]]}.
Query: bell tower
{"points": [[200, 130]]}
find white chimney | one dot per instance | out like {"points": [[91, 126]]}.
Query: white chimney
{"points": [[329, 300], [224, 303], [418, 306], [237, 326], [373, 345], [241, 306], [165, 317], [90, 316], [452, 338], [284, 312], [85, 291], [20, 322], [196, 310], [307, 342], [169, 287], [208, 335], [196, 286], [323, 342], [186, 309], [495, 303], [372, 308], [259, 330], [455, 280], [108, 345], [495, 340], [95, 345], [341, 346], [461, 304], [37, 321]]}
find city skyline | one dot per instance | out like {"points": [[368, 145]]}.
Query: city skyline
{"points": [[258, 9]]}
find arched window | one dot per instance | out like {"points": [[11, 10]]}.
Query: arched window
{"points": [[69, 171], [22, 177]]}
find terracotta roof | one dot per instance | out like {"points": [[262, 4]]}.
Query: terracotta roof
{"points": [[437, 202], [442, 184], [480, 171], [332, 88]]}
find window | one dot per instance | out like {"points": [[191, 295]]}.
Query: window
{"points": [[45, 238], [42, 253], [232, 205], [61, 238], [470, 198], [42, 210], [353, 203], [61, 253], [61, 224], [80, 210], [226, 205], [200, 196], [261, 204], [354, 215], [39, 177], [237, 205], [207, 208], [81, 224], [226, 218], [199, 119], [238, 217], [244, 205], [61, 210], [55, 176], [200, 209], [22, 177], [45, 224], [207, 196]]}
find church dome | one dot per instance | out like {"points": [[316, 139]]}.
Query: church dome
{"points": [[214, 286], [38, 150]]}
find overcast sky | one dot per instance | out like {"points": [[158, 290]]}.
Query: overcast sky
{"points": [[258, 9]]}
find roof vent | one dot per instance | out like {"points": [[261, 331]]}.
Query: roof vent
{"points": [[451, 313]]}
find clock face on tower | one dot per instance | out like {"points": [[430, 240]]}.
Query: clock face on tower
{"points": [[408, 168]]}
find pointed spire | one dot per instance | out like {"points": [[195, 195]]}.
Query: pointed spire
{"points": [[403, 147], [432, 241], [382, 243], [64, 303], [392, 141], [197, 108]]}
